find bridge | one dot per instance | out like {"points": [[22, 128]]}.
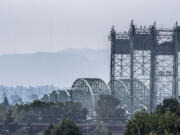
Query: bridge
{"points": [[143, 71], [149, 55]]}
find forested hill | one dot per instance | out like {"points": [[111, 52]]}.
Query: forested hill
{"points": [[59, 68]]}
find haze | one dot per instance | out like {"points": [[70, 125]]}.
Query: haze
{"points": [[28, 26]]}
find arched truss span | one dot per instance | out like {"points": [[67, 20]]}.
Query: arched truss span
{"points": [[87, 91], [122, 92], [46, 98], [57, 96]]}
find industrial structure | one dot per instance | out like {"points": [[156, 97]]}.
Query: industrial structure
{"points": [[143, 71], [146, 58], [57, 96], [87, 92], [122, 87], [84, 90]]}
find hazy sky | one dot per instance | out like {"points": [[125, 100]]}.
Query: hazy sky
{"points": [[28, 26]]}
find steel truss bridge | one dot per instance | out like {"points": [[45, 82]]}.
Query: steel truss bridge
{"points": [[84, 90], [143, 71], [87, 91], [147, 56]]}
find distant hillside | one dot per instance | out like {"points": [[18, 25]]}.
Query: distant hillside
{"points": [[59, 69]]}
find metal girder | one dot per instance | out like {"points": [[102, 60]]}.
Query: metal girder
{"points": [[155, 52], [57, 96], [87, 91], [123, 93], [132, 38]]}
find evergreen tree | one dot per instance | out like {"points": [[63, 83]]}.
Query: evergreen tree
{"points": [[169, 104], [6, 102]]}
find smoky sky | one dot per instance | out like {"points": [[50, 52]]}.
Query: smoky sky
{"points": [[28, 26]]}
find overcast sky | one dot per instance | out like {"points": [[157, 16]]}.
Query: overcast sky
{"points": [[28, 26]]}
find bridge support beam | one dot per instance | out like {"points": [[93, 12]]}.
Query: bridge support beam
{"points": [[152, 70], [132, 34], [154, 51], [175, 62]]}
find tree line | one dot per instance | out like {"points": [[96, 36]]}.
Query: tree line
{"points": [[165, 120]]}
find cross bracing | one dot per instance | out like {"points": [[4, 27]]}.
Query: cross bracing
{"points": [[57, 96], [87, 92], [143, 70], [147, 54], [122, 92]]}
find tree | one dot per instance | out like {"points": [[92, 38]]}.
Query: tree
{"points": [[4, 107], [139, 122], [49, 112], [109, 107], [6, 102], [48, 130], [9, 122], [171, 104], [3, 112], [66, 127], [164, 121]]}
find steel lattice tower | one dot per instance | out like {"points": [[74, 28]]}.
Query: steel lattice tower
{"points": [[149, 55]]}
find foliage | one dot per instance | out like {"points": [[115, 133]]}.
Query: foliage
{"points": [[9, 122], [164, 121], [38, 111], [48, 130], [109, 107], [6, 102], [66, 127], [3, 112], [4, 107], [48, 112], [171, 104]]}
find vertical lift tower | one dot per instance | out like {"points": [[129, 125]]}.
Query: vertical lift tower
{"points": [[149, 55]]}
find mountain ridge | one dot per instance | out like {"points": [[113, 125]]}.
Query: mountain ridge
{"points": [[57, 68]]}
